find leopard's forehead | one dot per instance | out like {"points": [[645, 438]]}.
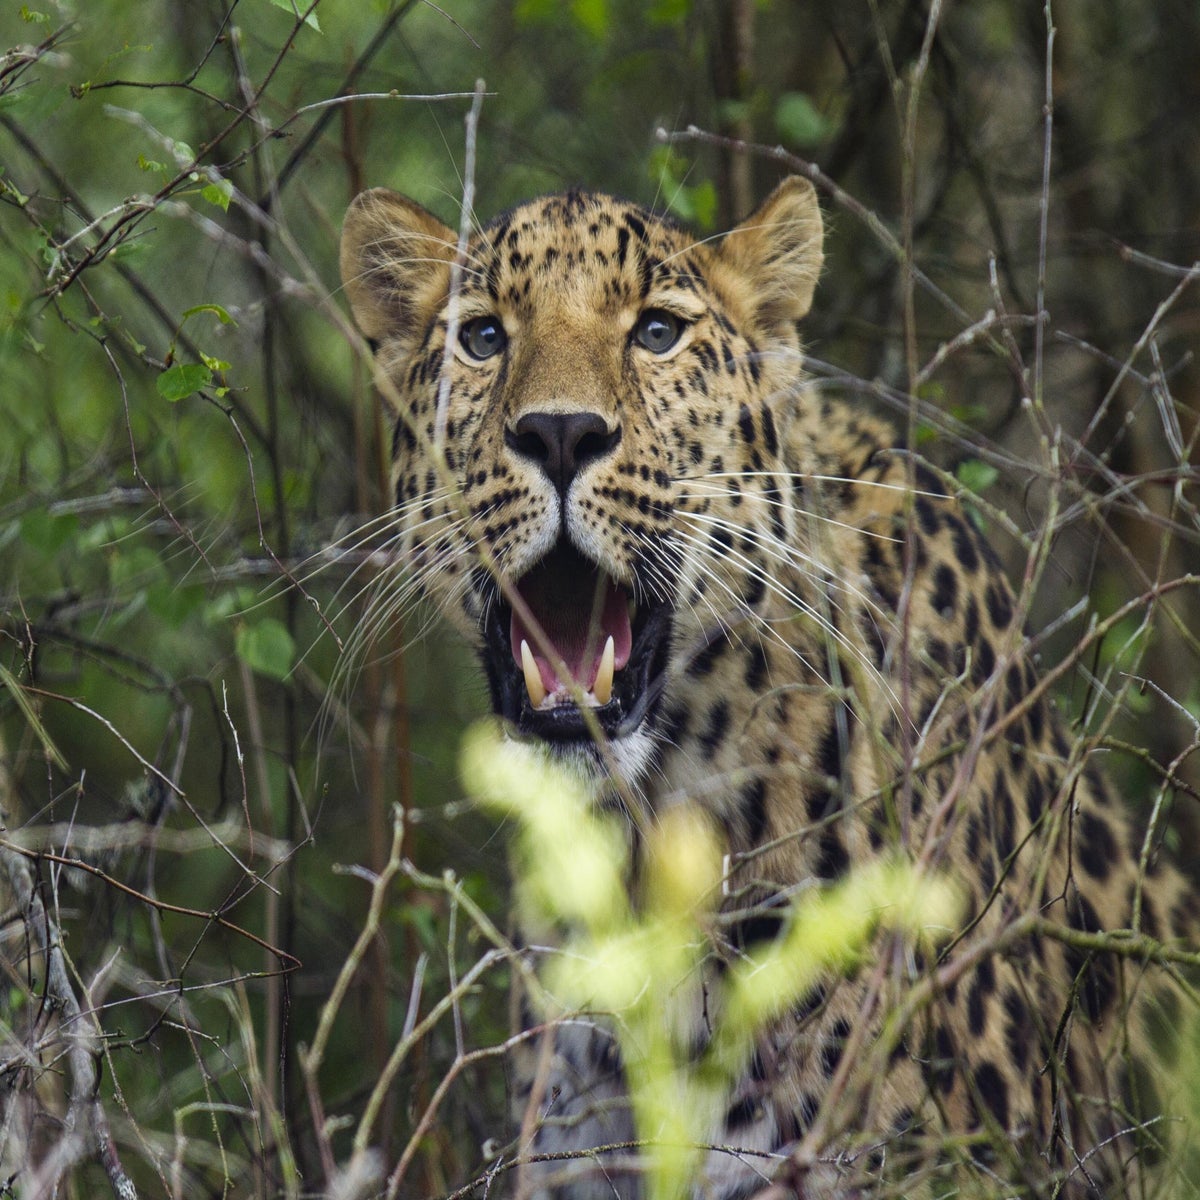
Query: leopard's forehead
{"points": [[582, 219], [582, 239]]}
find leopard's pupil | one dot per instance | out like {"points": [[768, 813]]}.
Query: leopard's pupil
{"points": [[482, 337], [658, 331]]}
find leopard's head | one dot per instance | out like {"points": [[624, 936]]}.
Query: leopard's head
{"points": [[589, 405]]}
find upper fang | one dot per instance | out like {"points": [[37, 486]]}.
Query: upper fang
{"points": [[533, 677], [602, 688]]}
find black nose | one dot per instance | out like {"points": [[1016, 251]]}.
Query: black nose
{"points": [[562, 443]]}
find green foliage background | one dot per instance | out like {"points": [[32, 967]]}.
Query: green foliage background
{"points": [[187, 427]]}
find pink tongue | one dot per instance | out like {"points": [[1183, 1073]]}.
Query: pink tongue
{"points": [[576, 619]]}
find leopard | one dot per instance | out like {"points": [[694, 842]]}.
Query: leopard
{"points": [[705, 583]]}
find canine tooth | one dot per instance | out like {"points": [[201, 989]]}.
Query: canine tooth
{"points": [[533, 677], [602, 688]]}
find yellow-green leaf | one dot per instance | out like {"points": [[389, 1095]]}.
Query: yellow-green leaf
{"points": [[300, 8], [218, 193], [180, 381], [266, 647]]}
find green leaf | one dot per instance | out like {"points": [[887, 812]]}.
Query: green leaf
{"points": [[135, 568], [593, 15], [227, 604], [799, 121], [668, 12], [32, 16], [969, 414], [421, 919], [218, 193], [694, 203], [529, 11], [266, 647], [730, 112], [174, 602], [180, 381], [104, 532], [47, 532], [296, 7], [975, 475], [216, 310]]}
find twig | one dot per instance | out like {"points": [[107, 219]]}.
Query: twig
{"points": [[1188, 278], [386, 1077], [146, 765], [287, 962], [465, 222], [313, 1056], [456, 1068], [85, 1110], [908, 201], [1039, 330], [392, 95], [838, 194]]}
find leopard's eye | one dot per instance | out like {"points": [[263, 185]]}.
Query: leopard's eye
{"points": [[657, 330], [481, 337]]}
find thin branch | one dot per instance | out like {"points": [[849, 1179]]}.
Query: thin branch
{"points": [[466, 222], [287, 962], [85, 1120], [392, 95]]}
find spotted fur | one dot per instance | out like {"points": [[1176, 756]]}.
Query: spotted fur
{"points": [[834, 669]]}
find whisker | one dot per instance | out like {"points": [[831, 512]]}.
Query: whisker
{"points": [[784, 506], [388, 559], [857, 653], [792, 556], [740, 617], [791, 477], [703, 544]]}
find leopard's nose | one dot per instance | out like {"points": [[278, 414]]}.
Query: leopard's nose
{"points": [[562, 444]]}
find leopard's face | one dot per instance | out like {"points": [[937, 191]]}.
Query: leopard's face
{"points": [[586, 458]]}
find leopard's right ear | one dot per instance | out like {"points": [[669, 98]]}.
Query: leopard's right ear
{"points": [[395, 261]]}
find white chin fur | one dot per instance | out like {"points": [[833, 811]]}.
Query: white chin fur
{"points": [[630, 755]]}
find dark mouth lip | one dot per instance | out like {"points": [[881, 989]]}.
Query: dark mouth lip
{"points": [[636, 688]]}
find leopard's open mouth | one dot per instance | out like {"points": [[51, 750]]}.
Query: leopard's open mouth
{"points": [[581, 643]]}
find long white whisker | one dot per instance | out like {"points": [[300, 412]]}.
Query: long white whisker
{"points": [[715, 493], [789, 597], [387, 561], [740, 617], [791, 556], [791, 477]]}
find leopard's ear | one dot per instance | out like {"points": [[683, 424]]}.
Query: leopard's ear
{"points": [[395, 261], [777, 250]]}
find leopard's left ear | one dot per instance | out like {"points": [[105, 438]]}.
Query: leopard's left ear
{"points": [[777, 250]]}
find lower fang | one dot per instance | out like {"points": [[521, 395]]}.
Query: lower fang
{"points": [[533, 677], [602, 688]]}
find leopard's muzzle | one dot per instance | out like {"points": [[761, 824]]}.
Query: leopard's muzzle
{"points": [[570, 654]]}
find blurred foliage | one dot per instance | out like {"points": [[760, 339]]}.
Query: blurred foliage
{"points": [[624, 961], [190, 444]]}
